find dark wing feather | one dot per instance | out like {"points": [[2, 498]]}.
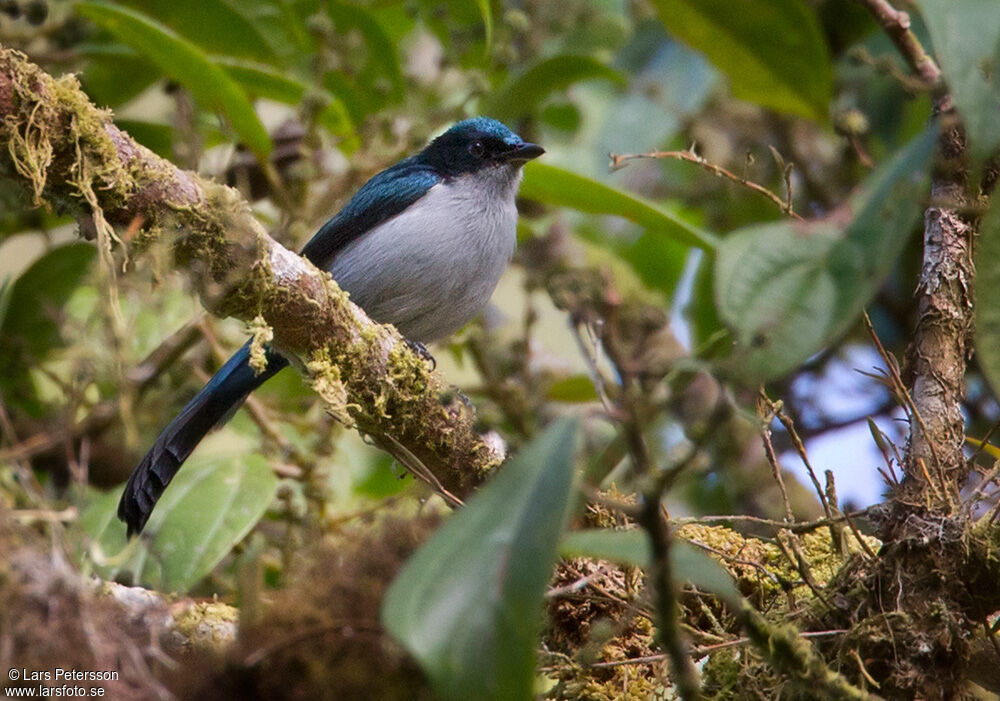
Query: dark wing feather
{"points": [[212, 405], [381, 198]]}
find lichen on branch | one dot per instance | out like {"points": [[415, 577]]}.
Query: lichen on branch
{"points": [[69, 155]]}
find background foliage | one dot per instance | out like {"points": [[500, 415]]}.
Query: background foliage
{"points": [[650, 298]]}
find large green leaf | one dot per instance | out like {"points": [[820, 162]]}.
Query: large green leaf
{"points": [[486, 10], [185, 63], [789, 288], [772, 50], [382, 53], [38, 294], [987, 308], [208, 508], [159, 138], [522, 92], [30, 327], [468, 604], [966, 38], [215, 26], [552, 185], [263, 81], [114, 73], [631, 547]]}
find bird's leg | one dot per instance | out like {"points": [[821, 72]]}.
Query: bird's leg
{"points": [[421, 350]]}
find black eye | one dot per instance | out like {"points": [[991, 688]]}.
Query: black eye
{"points": [[477, 149]]}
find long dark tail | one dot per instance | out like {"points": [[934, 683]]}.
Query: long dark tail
{"points": [[215, 403]]}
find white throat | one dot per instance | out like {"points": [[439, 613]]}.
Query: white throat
{"points": [[433, 267]]}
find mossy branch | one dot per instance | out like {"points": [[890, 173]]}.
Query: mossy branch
{"points": [[794, 656], [69, 155]]}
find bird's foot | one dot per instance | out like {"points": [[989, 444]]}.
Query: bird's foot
{"points": [[421, 350]]}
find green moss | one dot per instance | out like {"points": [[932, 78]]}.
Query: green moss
{"points": [[720, 675], [324, 378], [208, 625], [262, 336]]}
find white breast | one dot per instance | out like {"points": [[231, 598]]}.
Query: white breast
{"points": [[432, 268]]}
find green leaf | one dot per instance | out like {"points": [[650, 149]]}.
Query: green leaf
{"points": [[522, 92], [631, 547], [575, 388], [283, 35], [187, 64], [773, 51], [486, 10], [966, 38], [263, 81], [555, 186], [30, 327], [626, 547], [987, 309], [215, 26], [701, 311], [114, 73], [39, 293], [468, 604], [789, 288], [209, 507], [381, 49], [659, 261], [159, 138]]}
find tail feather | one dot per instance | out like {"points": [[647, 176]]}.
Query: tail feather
{"points": [[213, 405]]}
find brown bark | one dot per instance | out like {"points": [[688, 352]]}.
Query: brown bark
{"points": [[941, 342], [70, 156]]}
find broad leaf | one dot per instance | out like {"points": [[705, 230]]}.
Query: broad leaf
{"points": [[114, 73], [555, 186], [772, 50], [486, 10], [159, 138], [966, 38], [382, 53], [30, 327], [522, 93], [263, 81], [185, 63], [574, 388], [631, 547], [39, 293], [208, 508], [788, 288], [467, 605], [215, 26]]}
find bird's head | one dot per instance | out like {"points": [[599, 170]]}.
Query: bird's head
{"points": [[477, 144]]}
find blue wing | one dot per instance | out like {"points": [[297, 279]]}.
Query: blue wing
{"points": [[381, 198]]}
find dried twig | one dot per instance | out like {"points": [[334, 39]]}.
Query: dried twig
{"points": [[618, 160], [896, 25]]}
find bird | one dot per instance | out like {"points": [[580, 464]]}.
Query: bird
{"points": [[421, 246]]}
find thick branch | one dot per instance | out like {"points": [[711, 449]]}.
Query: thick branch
{"points": [[71, 156], [941, 340], [934, 460]]}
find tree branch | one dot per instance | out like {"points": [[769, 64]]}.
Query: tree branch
{"points": [[896, 25], [69, 155], [940, 345]]}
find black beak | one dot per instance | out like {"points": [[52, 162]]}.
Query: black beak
{"points": [[524, 153]]}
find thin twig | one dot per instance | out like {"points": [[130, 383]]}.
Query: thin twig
{"points": [[772, 459], [896, 24], [797, 527], [785, 205], [800, 448], [899, 386]]}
